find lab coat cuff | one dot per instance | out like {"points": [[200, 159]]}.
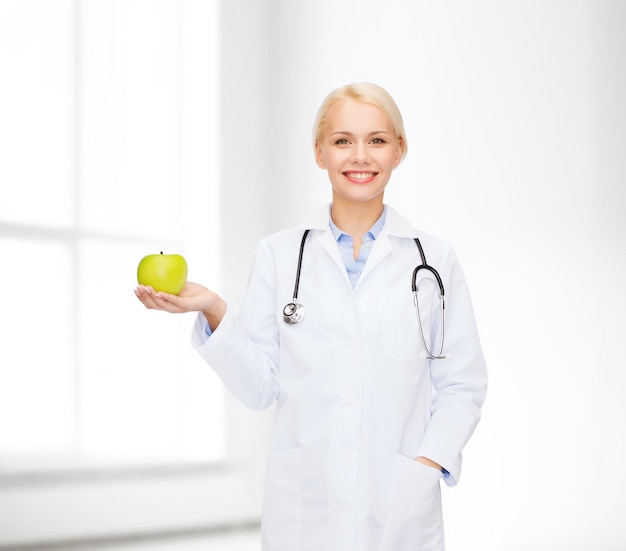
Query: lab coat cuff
{"points": [[202, 332], [451, 470], [449, 477]]}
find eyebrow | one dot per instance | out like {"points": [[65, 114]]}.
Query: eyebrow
{"points": [[347, 133]]}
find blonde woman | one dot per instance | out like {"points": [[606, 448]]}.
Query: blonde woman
{"points": [[375, 398]]}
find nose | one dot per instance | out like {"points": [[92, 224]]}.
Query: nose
{"points": [[360, 154]]}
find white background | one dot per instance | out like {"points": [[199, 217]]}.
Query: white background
{"points": [[516, 126]]}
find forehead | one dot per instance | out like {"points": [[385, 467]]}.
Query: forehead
{"points": [[350, 115]]}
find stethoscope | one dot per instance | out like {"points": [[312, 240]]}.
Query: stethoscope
{"points": [[293, 312]]}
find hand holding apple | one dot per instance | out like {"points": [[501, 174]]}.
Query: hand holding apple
{"points": [[163, 272], [163, 286], [192, 298]]}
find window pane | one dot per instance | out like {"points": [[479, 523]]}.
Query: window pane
{"points": [[36, 133], [146, 394], [129, 117], [98, 374], [36, 356]]}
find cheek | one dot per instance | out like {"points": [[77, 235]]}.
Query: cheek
{"points": [[330, 161], [320, 157], [394, 159]]}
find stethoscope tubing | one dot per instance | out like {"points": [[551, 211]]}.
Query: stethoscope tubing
{"points": [[299, 270], [428, 353], [293, 312], [425, 266]]}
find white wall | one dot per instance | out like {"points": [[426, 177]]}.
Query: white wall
{"points": [[517, 145]]}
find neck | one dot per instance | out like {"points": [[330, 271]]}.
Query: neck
{"points": [[356, 218]]}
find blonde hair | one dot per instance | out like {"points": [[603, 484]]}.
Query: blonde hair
{"points": [[365, 92]]}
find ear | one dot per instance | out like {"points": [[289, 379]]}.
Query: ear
{"points": [[319, 158], [398, 157]]}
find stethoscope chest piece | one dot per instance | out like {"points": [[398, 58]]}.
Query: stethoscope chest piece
{"points": [[293, 313]]}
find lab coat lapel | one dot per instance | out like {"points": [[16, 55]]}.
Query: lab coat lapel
{"points": [[396, 226], [381, 249], [320, 220], [328, 243]]}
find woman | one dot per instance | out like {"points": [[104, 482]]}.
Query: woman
{"points": [[367, 421]]}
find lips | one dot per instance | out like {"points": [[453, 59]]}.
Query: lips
{"points": [[360, 177]]}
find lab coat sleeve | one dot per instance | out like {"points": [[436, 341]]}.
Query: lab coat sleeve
{"points": [[243, 349], [459, 382]]}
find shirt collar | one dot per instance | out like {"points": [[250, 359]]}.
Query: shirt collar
{"points": [[395, 224], [374, 231]]}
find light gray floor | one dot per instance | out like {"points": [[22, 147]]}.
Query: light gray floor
{"points": [[244, 540]]}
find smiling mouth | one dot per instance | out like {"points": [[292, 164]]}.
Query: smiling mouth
{"points": [[360, 176]]}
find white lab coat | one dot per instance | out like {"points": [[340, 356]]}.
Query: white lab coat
{"points": [[356, 401]]}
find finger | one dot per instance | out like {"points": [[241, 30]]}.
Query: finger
{"points": [[149, 302], [171, 303], [144, 290], [159, 300], [147, 297]]}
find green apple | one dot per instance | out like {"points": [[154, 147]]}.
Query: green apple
{"points": [[163, 272]]}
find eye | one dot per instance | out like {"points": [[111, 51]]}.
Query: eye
{"points": [[378, 141], [341, 141]]}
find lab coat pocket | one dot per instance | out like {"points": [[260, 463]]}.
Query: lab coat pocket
{"points": [[282, 507], [400, 329], [414, 520]]}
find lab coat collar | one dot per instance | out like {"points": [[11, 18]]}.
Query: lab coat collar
{"points": [[395, 224]]}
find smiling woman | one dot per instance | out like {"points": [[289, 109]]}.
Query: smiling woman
{"points": [[359, 148], [353, 418]]}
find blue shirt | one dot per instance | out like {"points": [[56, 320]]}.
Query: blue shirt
{"points": [[346, 247]]}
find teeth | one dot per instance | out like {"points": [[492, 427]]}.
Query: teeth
{"points": [[359, 175]]}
